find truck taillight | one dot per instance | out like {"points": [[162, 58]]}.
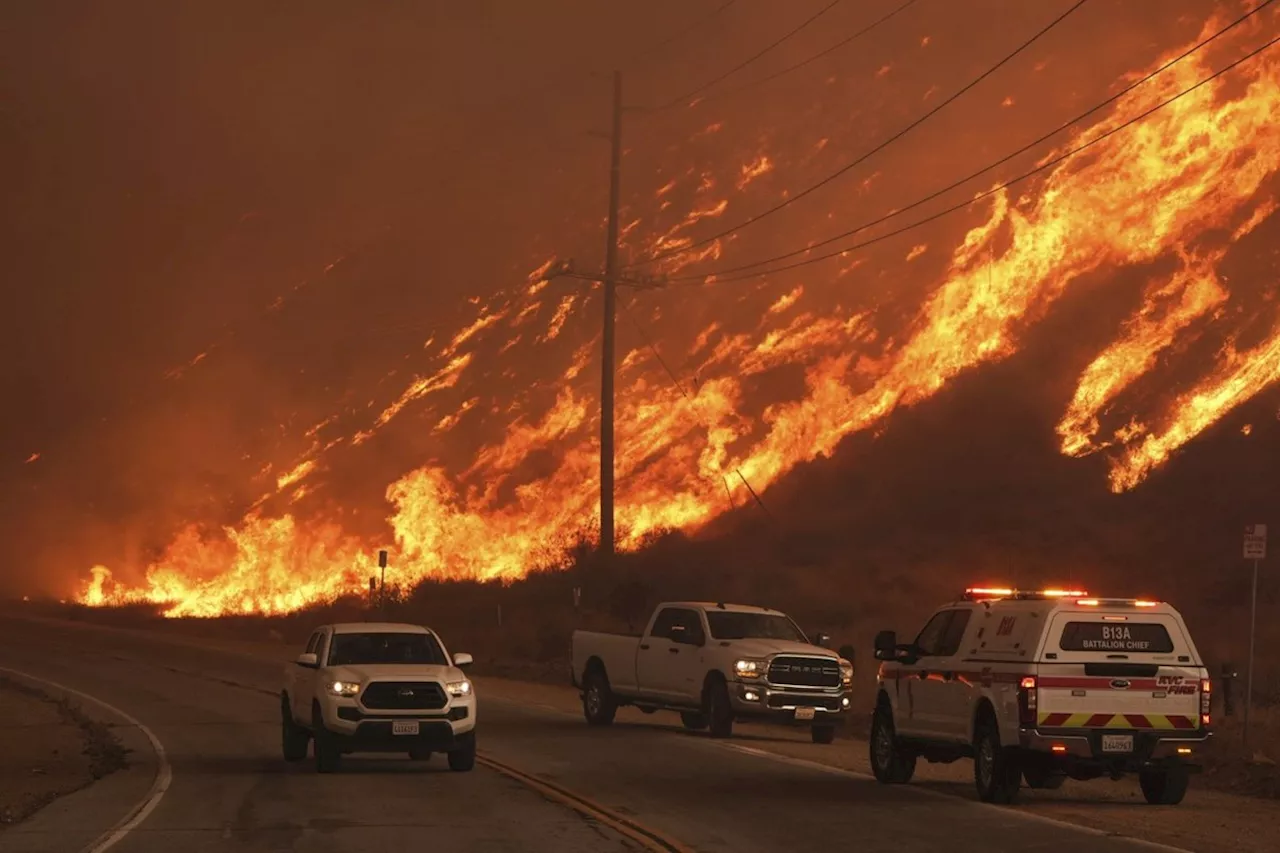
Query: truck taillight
{"points": [[1027, 701], [1206, 700]]}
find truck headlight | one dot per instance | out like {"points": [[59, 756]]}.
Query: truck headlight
{"points": [[344, 688], [846, 672], [459, 688], [748, 668]]}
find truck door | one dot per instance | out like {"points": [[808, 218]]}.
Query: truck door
{"points": [[654, 657], [685, 667], [923, 685], [952, 691], [302, 684]]}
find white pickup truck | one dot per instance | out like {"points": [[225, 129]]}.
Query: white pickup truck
{"points": [[714, 663], [378, 687], [1041, 686]]}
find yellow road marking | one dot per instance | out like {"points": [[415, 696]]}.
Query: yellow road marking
{"points": [[649, 839]]}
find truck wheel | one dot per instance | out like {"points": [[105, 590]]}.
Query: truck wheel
{"points": [[996, 770], [1166, 786], [694, 721], [891, 764], [598, 703], [419, 754], [293, 737], [719, 711], [823, 734], [1043, 778], [463, 758], [325, 747]]}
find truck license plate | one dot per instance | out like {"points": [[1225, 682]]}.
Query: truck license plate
{"points": [[805, 713], [404, 727], [1117, 743]]}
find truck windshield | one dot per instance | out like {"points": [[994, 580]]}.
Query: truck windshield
{"points": [[731, 625], [385, 647]]}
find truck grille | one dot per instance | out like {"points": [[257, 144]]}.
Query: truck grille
{"points": [[403, 696], [804, 672]]}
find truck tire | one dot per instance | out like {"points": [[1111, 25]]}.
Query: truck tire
{"points": [[823, 734], [324, 745], [1166, 786], [694, 721], [463, 757], [598, 703], [890, 762], [293, 737], [997, 773], [719, 712]]}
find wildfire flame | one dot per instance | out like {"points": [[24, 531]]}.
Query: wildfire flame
{"points": [[1187, 185]]}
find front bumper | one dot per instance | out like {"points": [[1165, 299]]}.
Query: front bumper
{"points": [[1085, 746], [760, 700], [347, 720], [376, 735]]}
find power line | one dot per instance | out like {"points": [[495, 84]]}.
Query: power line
{"points": [[885, 144], [1025, 148], [1024, 176], [849, 39], [693, 25], [741, 65], [675, 380]]}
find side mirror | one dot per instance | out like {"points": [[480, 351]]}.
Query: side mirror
{"points": [[821, 639], [846, 652], [461, 659], [886, 646], [309, 660]]}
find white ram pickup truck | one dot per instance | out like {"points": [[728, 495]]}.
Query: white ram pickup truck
{"points": [[378, 687], [714, 663]]}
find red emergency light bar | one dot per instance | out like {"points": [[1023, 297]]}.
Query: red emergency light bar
{"points": [[982, 593], [1116, 602]]}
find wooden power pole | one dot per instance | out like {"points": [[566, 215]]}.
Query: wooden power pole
{"points": [[607, 359]]}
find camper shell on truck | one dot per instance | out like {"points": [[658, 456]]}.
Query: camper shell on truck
{"points": [[1041, 686], [714, 663]]}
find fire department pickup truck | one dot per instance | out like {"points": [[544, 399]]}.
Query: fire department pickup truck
{"points": [[714, 663], [378, 687], [1041, 686]]}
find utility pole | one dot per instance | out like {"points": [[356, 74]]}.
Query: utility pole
{"points": [[610, 280], [607, 358]]}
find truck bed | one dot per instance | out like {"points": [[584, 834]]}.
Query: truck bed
{"points": [[616, 651]]}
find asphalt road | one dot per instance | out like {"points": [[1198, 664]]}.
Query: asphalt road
{"points": [[216, 716]]}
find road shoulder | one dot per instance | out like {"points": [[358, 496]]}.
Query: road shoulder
{"points": [[77, 771]]}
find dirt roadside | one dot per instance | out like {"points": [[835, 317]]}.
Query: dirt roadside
{"points": [[50, 748]]}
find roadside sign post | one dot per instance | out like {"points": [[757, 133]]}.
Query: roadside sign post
{"points": [[382, 597], [1255, 548]]}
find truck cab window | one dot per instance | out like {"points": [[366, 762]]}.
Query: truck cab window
{"points": [[687, 627], [662, 624], [954, 633], [929, 640]]}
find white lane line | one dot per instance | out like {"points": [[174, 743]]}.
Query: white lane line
{"points": [[159, 785]]}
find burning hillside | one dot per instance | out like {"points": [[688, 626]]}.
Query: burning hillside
{"points": [[1174, 182]]}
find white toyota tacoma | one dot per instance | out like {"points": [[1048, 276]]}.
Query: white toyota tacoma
{"points": [[378, 687], [714, 663]]}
